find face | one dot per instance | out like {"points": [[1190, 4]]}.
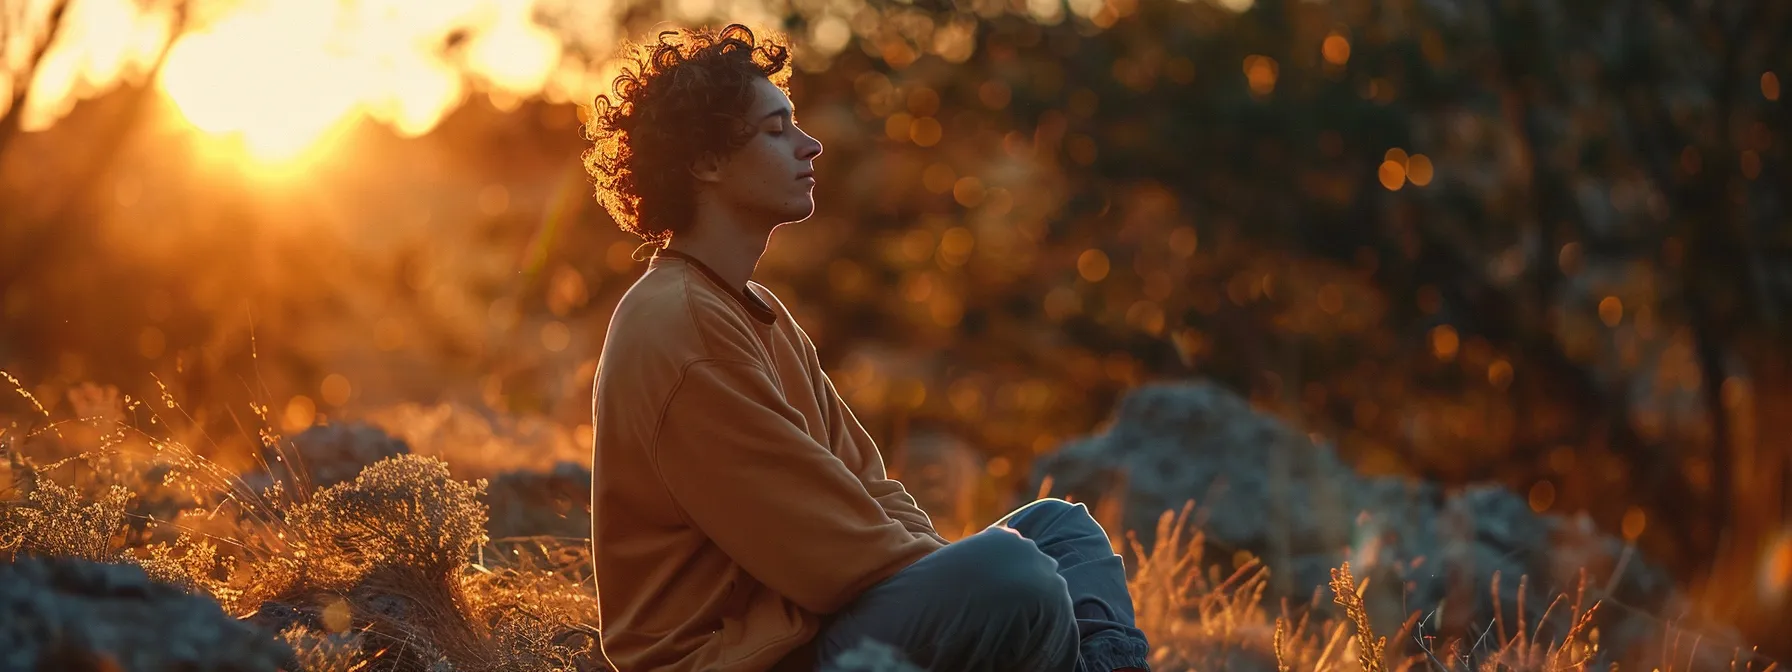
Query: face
{"points": [[772, 176]]}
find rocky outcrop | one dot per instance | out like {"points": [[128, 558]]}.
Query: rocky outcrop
{"points": [[1266, 488], [79, 616]]}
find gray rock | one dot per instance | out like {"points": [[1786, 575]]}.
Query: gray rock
{"points": [[1258, 478], [555, 503], [324, 455], [872, 656], [78, 615], [1264, 487]]}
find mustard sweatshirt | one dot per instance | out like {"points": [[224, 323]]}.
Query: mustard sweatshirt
{"points": [[735, 498]]}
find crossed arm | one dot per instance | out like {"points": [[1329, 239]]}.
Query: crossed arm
{"points": [[784, 506]]}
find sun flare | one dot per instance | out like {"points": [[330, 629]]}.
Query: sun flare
{"points": [[262, 75], [282, 76]]}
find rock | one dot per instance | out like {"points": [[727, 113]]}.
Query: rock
{"points": [[324, 455], [77, 615], [1264, 484], [481, 443], [556, 503], [1268, 489], [872, 656]]}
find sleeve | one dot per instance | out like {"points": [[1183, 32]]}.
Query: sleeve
{"points": [[890, 494], [735, 457]]}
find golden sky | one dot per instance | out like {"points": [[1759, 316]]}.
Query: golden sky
{"points": [[278, 76]]}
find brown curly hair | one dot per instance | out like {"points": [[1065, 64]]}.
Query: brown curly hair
{"points": [[677, 99]]}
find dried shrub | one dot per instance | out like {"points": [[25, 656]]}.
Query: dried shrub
{"points": [[324, 652], [56, 521], [403, 511]]}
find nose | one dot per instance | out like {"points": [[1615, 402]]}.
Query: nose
{"points": [[810, 149]]}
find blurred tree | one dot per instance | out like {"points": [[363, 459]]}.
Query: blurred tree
{"points": [[35, 236], [1474, 239]]}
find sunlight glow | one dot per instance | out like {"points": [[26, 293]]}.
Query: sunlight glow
{"points": [[282, 75], [266, 76], [515, 53], [119, 43], [276, 80]]}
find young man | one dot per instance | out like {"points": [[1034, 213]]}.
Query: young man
{"points": [[742, 518]]}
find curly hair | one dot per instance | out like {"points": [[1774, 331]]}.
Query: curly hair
{"points": [[676, 100]]}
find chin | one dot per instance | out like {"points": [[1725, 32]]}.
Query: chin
{"points": [[795, 215]]}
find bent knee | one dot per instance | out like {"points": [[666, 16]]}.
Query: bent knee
{"points": [[1055, 517], [1051, 508], [1008, 570]]}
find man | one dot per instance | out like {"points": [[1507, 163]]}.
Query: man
{"points": [[742, 517]]}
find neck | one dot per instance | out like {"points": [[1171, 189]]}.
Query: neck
{"points": [[724, 245]]}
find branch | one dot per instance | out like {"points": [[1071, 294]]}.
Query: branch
{"points": [[10, 123]]}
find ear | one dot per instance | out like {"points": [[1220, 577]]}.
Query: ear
{"points": [[707, 167]]}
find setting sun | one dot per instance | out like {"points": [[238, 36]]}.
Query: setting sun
{"points": [[264, 75], [283, 76], [516, 55]]}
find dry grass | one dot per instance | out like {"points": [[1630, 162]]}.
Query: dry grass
{"points": [[1370, 650], [393, 571]]}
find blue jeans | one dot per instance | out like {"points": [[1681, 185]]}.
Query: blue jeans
{"points": [[1052, 598]]}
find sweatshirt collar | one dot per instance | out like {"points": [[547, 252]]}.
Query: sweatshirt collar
{"points": [[751, 302]]}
